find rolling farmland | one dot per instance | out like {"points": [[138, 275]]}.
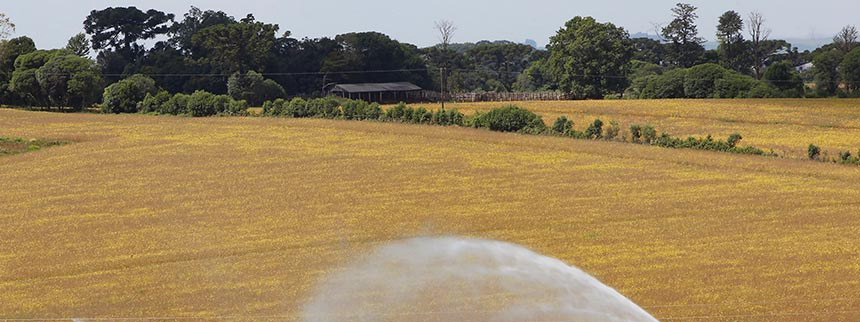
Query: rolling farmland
{"points": [[158, 216], [787, 126]]}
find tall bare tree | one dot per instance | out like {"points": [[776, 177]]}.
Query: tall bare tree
{"points": [[446, 29], [846, 39], [758, 37], [6, 26]]}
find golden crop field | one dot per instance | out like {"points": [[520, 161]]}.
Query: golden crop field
{"points": [[161, 216], [787, 126]]}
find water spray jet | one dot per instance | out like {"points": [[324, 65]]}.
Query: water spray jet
{"points": [[457, 279]]}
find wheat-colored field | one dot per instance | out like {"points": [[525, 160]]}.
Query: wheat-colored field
{"points": [[787, 126], [159, 216]]}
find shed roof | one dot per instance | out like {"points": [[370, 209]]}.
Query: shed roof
{"points": [[376, 87]]}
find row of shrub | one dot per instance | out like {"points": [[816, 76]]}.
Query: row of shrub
{"points": [[139, 93], [845, 157], [199, 104], [515, 119], [713, 81], [337, 108]]}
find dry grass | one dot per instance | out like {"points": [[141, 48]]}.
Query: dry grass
{"points": [[787, 126], [169, 216]]}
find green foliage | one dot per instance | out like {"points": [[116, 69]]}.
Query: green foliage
{"points": [[685, 47], [813, 152], [120, 28], [734, 139], [668, 85], [176, 105], [612, 131], [361, 110], [238, 47], [667, 141], [850, 70], [784, 78], [649, 134], [201, 103], [509, 119], [154, 103], [734, 85], [562, 126], [10, 146], [25, 82], [253, 88], [327, 107], [70, 81], [636, 133], [123, 96], [826, 72], [733, 50], [583, 52], [701, 79], [595, 130], [79, 45], [298, 107]]}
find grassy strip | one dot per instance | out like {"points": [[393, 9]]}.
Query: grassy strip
{"points": [[10, 146]]}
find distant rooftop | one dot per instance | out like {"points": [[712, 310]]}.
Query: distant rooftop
{"points": [[376, 87]]}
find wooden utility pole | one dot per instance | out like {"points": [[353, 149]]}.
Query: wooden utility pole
{"points": [[442, 85]]}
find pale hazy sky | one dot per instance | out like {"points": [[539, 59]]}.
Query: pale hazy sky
{"points": [[51, 22]]}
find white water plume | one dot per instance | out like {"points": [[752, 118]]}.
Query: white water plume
{"points": [[454, 279]]}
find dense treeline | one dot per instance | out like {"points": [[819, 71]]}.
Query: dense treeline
{"points": [[254, 61]]}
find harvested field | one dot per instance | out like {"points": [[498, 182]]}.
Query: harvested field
{"points": [[159, 216], [787, 126]]}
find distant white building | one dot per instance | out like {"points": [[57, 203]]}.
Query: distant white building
{"points": [[804, 67]]}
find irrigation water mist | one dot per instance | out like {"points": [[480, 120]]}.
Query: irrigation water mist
{"points": [[456, 279]]}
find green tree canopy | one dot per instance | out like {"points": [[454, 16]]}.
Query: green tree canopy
{"points": [[590, 59], [373, 51], [79, 45], [826, 72], [182, 33], [238, 47], [782, 76], [685, 47], [70, 81], [119, 29], [850, 70], [124, 96], [733, 49]]}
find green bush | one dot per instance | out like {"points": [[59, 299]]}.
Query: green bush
{"points": [[668, 85], [734, 85], [298, 107], [562, 126], [361, 110], [649, 134], [763, 90], [636, 133], [327, 107], [201, 103], [785, 79], [221, 104], [123, 96], [176, 105], [612, 131], [510, 119], [813, 151], [254, 88], [734, 139], [701, 80], [595, 130], [153, 103]]}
